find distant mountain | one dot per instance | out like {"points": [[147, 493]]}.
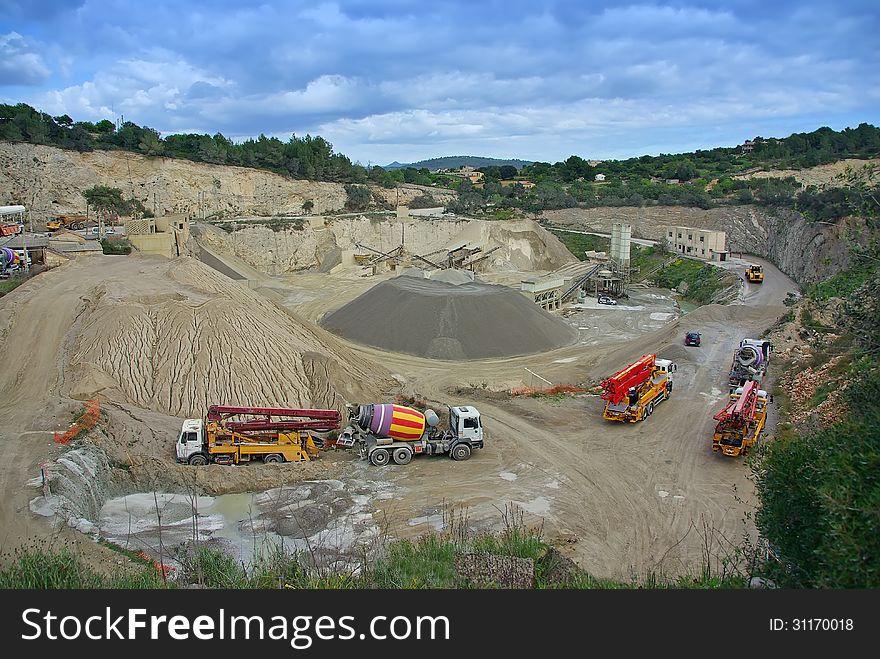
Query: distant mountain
{"points": [[454, 162]]}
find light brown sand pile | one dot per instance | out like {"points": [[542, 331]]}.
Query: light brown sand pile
{"points": [[178, 337], [441, 320]]}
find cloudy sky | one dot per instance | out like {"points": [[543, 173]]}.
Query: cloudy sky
{"points": [[399, 80]]}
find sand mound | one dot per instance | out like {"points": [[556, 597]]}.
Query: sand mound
{"points": [[439, 320], [177, 337]]}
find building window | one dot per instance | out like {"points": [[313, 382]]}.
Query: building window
{"points": [[679, 235], [702, 239], [704, 252], [690, 236], [690, 249], [670, 234]]}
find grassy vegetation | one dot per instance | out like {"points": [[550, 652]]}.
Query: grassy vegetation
{"points": [[845, 283], [704, 281], [9, 285], [820, 493], [578, 243], [41, 568], [116, 246], [425, 562], [646, 259]]}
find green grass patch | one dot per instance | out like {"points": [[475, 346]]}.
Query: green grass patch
{"points": [[844, 283], [116, 246], [821, 394], [59, 570], [578, 243], [9, 285], [704, 280], [646, 259]]}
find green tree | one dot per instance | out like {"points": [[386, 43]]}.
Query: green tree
{"points": [[106, 200], [507, 172], [358, 197], [150, 143], [820, 496]]}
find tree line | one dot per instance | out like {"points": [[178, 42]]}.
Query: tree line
{"points": [[306, 157]]}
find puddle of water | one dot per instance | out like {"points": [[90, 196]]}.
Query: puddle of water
{"points": [[660, 315], [323, 518], [507, 475], [662, 494], [567, 360], [435, 520], [537, 506]]}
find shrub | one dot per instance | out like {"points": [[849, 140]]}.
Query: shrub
{"points": [[116, 246]]}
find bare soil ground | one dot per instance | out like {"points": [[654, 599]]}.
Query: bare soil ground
{"points": [[626, 498]]}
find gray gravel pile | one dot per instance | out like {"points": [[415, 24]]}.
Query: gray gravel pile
{"points": [[440, 320]]}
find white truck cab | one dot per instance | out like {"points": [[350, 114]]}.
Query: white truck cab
{"points": [[191, 440], [665, 365], [465, 422]]}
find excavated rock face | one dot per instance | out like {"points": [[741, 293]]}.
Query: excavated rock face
{"points": [[806, 251], [49, 181], [441, 320], [518, 245]]}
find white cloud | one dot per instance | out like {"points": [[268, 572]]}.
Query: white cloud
{"points": [[19, 65], [143, 89]]}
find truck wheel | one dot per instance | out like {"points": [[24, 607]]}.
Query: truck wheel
{"points": [[650, 409], [380, 457], [273, 458], [198, 460], [461, 452], [402, 456]]}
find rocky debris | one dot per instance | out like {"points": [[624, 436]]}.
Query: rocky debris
{"points": [[559, 570], [483, 570], [803, 388]]}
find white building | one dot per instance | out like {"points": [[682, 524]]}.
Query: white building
{"points": [[700, 243]]}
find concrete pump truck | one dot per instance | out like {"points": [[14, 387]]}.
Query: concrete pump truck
{"points": [[632, 393]]}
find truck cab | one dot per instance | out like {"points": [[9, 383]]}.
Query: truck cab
{"points": [[465, 423], [191, 442], [755, 274]]}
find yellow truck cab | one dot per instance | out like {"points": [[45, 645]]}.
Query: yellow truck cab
{"points": [[755, 274]]}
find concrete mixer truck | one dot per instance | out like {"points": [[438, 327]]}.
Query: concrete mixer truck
{"points": [[750, 362], [385, 432]]}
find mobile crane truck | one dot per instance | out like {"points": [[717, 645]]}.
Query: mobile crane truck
{"points": [[232, 435], [741, 423], [385, 432], [632, 393]]}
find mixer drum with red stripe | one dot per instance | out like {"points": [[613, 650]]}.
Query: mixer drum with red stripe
{"points": [[396, 421]]}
